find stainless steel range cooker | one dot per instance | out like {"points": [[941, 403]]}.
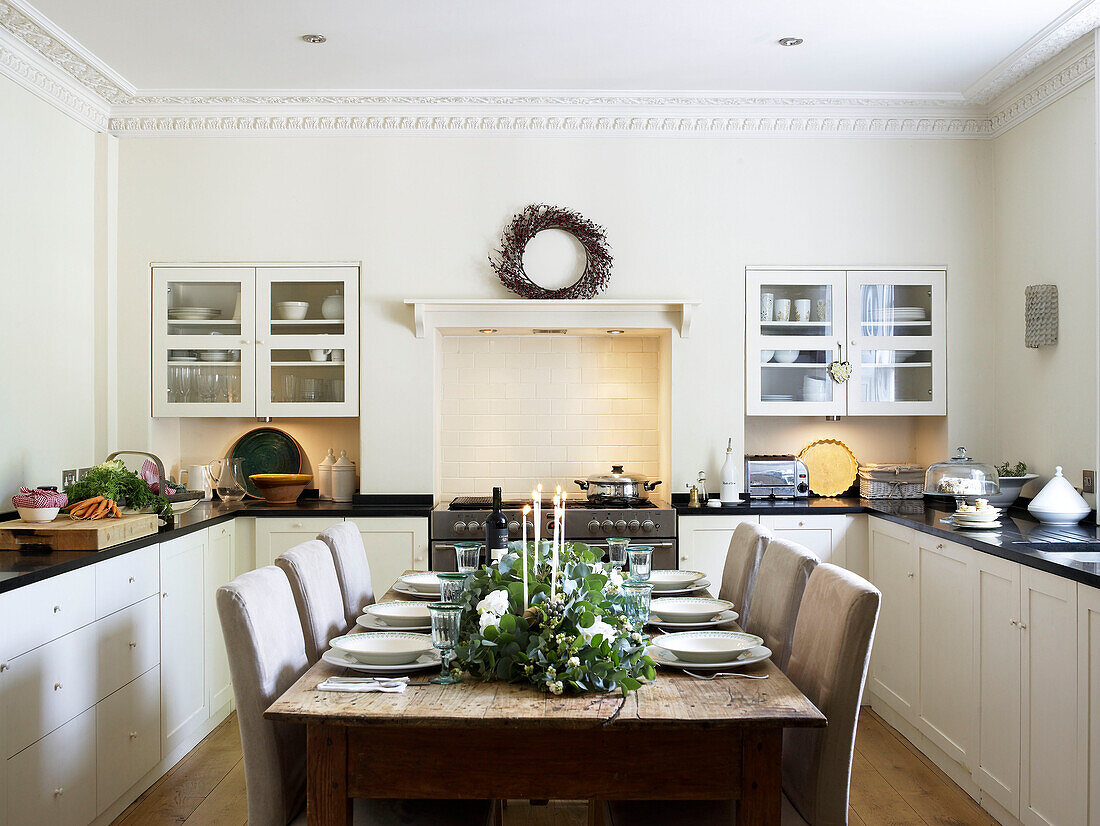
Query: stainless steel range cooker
{"points": [[651, 522]]}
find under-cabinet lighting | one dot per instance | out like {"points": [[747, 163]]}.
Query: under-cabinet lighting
{"points": [[790, 41], [615, 332], [314, 38], [488, 331]]}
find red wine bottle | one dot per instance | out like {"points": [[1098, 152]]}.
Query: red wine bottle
{"points": [[496, 530]]}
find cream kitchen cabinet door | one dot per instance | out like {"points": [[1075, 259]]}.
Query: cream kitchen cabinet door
{"points": [[823, 534], [53, 782], [184, 705], [217, 571], [127, 737], [394, 545], [1050, 785], [946, 697], [895, 663], [704, 541], [274, 536], [1088, 694], [997, 649]]}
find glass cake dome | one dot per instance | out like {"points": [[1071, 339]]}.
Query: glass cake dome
{"points": [[961, 478]]}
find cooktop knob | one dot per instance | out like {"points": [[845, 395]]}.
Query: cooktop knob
{"points": [[633, 525], [607, 525], [473, 526], [803, 487], [594, 526], [530, 528], [513, 528], [459, 527], [648, 526], [620, 525]]}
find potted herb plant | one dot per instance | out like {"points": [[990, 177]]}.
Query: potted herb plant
{"points": [[1012, 479]]}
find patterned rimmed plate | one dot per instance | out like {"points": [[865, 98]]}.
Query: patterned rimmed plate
{"points": [[700, 585], [706, 647], [688, 609], [674, 580], [720, 619], [429, 660], [670, 660], [399, 613], [409, 592], [373, 623]]}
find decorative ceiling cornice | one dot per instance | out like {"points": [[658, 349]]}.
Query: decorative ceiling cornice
{"points": [[43, 58]]}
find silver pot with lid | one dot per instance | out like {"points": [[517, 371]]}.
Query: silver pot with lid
{"points": [[617, 487]]}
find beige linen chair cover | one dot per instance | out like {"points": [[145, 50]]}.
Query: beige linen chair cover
{"points": [[780, 582], [742, 561], [312, 575], [352, 569], [829, 659], [266, 648]]}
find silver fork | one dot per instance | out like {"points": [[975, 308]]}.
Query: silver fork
{"points": [[725, 674]]}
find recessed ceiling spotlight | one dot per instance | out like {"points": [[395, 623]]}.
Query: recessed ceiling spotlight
{"points": [[487, 331], [615, 332], [790, 41], [314, 38]]}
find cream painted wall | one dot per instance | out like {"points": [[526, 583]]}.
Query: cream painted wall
{"points": [[684, 216], [1046, 190], [47, 323]]}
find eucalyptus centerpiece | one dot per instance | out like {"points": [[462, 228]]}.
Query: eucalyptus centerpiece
{"points": [[573, 635]]}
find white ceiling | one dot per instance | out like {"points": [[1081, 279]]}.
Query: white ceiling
{"points": [[907, 47]]}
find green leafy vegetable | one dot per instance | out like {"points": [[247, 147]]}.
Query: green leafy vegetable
{"points": [[112, 480], [1004, 469]]}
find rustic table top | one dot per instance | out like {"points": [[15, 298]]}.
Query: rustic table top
{"points": [[672, 700]]}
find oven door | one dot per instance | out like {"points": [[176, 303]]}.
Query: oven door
{"points": [[664, 552]]}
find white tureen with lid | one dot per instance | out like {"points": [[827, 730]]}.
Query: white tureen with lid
{"points": [[1059, 503]]}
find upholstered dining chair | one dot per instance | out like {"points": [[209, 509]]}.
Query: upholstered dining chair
{"points": [[777, 594], [742, 561], [267, 654], [312, 575], [829, 659], [352, 569]]}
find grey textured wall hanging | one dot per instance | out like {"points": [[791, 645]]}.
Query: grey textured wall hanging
{"points": [[1040, 315]]}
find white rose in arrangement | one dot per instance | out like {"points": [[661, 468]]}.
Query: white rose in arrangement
{"points": [[485, 620], [598, 627], [614, 581], [555, 687], [495, 603]]}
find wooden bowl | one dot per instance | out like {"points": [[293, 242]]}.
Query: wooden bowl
{"points": [[281, 488]]}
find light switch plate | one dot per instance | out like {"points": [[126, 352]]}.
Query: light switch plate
{"points": [[80, 474], [68, 477], [1088, 481]]}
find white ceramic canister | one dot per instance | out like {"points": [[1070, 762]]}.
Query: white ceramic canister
{"points": [[324, 475], [333, 307], [343, 478], [1059, 503]]}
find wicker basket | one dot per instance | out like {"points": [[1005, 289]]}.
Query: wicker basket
{"points": [[891, 481]]}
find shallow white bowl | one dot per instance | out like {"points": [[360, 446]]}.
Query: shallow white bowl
{"points": [[292, 310], [766, 356], [688, 609], [673, 580], [402, 614], [708, 646], [38, 514], [383, 648], [425, 583], [786, 356]]}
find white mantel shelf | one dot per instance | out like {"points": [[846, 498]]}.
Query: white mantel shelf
{"points": [[505, 313]]}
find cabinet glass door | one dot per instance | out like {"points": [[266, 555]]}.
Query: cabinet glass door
{"points": [[794, 331], [897, 343], [308, 345], [203, 329]]}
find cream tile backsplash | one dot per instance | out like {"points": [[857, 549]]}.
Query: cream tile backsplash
{"points": [[520, 409]]}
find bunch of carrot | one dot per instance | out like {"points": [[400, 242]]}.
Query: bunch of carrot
{"points": [[95, 508]]}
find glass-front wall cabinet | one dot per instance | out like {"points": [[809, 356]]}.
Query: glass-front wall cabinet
{"points": [[238, 340], [888, 325]]}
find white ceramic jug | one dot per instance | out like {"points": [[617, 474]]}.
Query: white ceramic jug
{"points": [[198, 478]]}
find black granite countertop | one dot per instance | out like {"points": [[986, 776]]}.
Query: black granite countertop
{"points": [[19, 568], [1071, 552]]}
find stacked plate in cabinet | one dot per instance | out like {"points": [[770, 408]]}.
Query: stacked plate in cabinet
{"points": [[193, 313]]}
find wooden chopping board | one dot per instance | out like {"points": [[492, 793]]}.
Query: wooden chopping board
{"points": [[65, 534]]}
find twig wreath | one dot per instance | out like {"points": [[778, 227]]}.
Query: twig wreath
{"points": [[508, 262]]}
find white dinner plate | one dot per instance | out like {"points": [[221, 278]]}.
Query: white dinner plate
{"points": [[670, 660], [409, 592], [372, 623], [426, 661], [720, 619], [971, 526], [700, 585]]}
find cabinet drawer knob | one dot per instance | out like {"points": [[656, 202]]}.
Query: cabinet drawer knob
{"points": [[1023, 626], [939, 547], [133, 644], [133, 735], [130, 580], [58, 791], [57, 686], [1014, 622], [910, 574], [3, 667], [801, 524], [57, 609], [297, 525], [164, 595]]}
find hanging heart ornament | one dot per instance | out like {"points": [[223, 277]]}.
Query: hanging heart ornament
{"points": [[840, 371]]}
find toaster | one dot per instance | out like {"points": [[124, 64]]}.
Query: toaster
{"points": [[776, 477]]}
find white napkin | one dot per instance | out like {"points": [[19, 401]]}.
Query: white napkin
{"points": [[397, 685]]}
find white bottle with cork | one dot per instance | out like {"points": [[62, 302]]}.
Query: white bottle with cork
{"points": [[729, 477]]}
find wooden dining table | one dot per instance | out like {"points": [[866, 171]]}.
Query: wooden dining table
{"points": [[677, 738]]}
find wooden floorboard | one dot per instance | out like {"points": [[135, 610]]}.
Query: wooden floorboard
{"points": [[893, 784]]}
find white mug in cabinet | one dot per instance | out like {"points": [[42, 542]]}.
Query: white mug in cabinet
{"points": [[338, 355], [319, 355], [783, 309], [767, 302], [821, 310], [802, 309]]}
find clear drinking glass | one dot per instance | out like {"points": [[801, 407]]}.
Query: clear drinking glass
{"points": [[452, 586], [616, 551], [233, 387], [641, 562], [446, 618], [186, 374], [468, 556], [206, 385], [636, 596]]}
